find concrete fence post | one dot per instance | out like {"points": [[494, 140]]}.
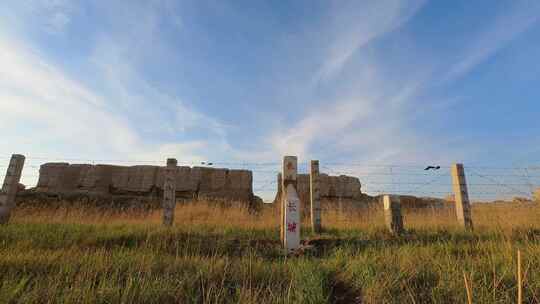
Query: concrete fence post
{"points": [[281, 209], [461, 193], [315, 197], [10, 187], [290, 203], [392, 214], [169, 192]]}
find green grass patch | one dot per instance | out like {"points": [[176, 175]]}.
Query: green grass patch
{"points": [[75, 263]]}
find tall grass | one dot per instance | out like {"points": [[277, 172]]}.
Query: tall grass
{"points": [[215, 254]]}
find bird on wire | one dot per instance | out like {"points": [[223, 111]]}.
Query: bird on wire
{"points": [[432, 168]]}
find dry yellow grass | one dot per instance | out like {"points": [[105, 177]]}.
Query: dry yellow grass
{"points": [[231, 255], [499, 217]]}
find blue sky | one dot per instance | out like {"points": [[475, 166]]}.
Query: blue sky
{"points": [[374, 82]]}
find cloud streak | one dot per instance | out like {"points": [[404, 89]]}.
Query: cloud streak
{"points": [[356, 24], [505, 28], [52, 115], [367, 119], [372, 119], [119, 94], [35, 92]]}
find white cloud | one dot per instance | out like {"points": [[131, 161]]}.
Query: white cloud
{"points": [[37, 93], [365, 120], [355, 24], [371, 128], [372, 121], [327, 121], [509, 25], [127, 115], [120, 60], [47, 114], [54, 116], [186, 152], [122, 117]]}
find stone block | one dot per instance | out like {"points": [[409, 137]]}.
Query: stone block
{"points": [[536, 195], [141, 180], [51, 176]]}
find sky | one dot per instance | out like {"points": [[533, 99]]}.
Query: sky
{"points": [[243, 83]]}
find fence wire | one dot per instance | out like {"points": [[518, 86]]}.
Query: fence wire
{"points": [[485, 183]]}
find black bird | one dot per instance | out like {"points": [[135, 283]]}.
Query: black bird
{"points": [[432, 168]]}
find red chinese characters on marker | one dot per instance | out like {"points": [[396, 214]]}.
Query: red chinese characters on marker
{"points": [[291, 227]]}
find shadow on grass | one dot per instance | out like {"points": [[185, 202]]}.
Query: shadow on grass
{"points": [[342, 292], [326, 244], [233, 243]]}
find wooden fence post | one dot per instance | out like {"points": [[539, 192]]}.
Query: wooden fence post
{"points": [[461, 193], [290, 205], [392, 214], [315, 197], [169, 192], [10, 187]]}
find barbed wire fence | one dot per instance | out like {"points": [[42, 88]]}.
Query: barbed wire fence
{"points": [[485, 183], [264, 173]]}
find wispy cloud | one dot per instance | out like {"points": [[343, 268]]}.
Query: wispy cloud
{"points": [[52, 117], [366, 120], [122, 116], [372, 121], [121, 57], [49, 108], [507, 26], [355, 24], [322, 123], [141, 101], [118, 95]]}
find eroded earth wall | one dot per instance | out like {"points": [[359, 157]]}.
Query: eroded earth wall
{"points": [[331, 188], [196, 182], [344, 192]]}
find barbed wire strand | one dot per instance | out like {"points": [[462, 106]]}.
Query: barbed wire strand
{"points": [[394, 171], [495, 181]]}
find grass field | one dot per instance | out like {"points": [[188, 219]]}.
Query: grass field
{"points": [[225, 255]]}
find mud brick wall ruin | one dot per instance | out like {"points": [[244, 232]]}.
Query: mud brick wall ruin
{"points": [[333, 189], [536, 195], [345, 192], [201, 183], [196, 182]]}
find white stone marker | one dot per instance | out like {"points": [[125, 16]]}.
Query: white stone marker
{"points": [[392, 214], [315, 197], [169, 192], [290, 205], [10, 187], [292, 219], [461, 193], [281, 211]]}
